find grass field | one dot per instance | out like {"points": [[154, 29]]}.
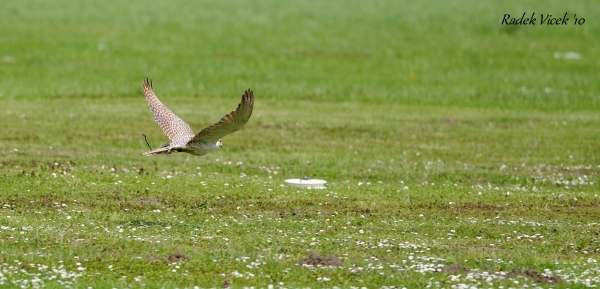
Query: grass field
{"points": [[459, 153]]}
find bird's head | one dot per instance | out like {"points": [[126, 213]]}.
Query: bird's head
{"points": [[219, 144]]}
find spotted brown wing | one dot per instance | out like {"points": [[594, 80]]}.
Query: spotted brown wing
{"points": [[173, 126]]}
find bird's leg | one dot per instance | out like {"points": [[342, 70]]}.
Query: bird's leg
{"points": [[147, 141]]}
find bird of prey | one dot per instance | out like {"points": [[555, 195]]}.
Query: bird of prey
{"points": [[181, 135]]}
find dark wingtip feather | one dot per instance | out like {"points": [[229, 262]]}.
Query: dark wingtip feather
{"points": [[248, 96], [147, 82]]}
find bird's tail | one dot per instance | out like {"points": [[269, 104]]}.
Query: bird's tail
{"points": [[161, 150]]}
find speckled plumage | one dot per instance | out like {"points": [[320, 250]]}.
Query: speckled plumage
{"points": [[181, 135]]}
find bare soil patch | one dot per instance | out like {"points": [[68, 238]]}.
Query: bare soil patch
{"points": [[317, 260]]}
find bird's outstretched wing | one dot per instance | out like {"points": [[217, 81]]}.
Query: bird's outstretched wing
{"points": [[173, 126], [230, 122]]}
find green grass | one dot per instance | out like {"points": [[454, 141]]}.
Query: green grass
{"points": [[445, 138]]}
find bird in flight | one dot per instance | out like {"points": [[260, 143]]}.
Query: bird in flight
{"points": [[181, 135]]}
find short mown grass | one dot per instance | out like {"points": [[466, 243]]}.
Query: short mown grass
{"points": [[458, 152]]}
